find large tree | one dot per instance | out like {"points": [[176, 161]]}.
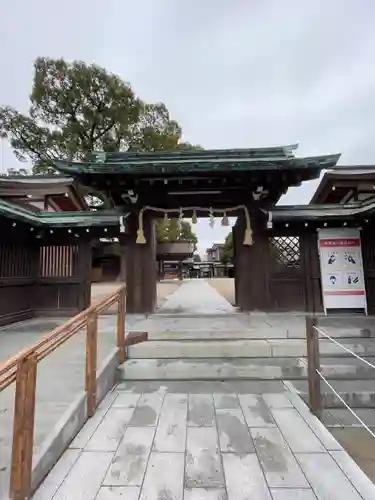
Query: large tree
{"points": [[77, 108], [174, 230], [228, 251]]}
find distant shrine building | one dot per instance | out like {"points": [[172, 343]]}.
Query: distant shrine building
{"points": [[316, 258]]}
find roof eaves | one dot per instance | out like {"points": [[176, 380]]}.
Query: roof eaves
{"points": [[305, 212], [166, 165], [59, 219]]}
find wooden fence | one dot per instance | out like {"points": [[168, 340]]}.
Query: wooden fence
{"points": [[51, 277], [22, 369]]}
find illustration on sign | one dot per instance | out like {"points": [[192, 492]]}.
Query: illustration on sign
{"points": [[332, 258], [351, 257], [332, 280], [353, 279]]}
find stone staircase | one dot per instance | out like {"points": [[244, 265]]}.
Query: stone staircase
{"points": [[222, 355]]}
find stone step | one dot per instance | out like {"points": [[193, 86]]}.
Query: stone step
{"points": [[338, 417], [244, 348], [355, 393], [214, 334], [239, 368], [348, 367], [202, 386], [200, 349], [210, 369], [250, 332]]}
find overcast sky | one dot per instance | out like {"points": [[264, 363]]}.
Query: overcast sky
{"points": [[233, 73]]}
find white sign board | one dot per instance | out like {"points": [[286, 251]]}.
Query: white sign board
{"points": [[341, 268]]}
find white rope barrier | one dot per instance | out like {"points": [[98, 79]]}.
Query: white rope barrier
{"points": [[342, 400], [343, 347], [248, 237]]}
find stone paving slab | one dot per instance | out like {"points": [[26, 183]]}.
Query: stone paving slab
{"points": [[210, 446]]}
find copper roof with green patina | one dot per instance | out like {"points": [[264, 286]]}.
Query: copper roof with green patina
{"points": [[218, 160], [338, 211], [59, 219], [86, 219]]}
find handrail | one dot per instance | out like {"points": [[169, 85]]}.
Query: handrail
{"points": [[22, 369], [315, 374], [69, 328], [99, 307]]}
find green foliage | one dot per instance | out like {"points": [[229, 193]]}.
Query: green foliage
{"points": [[197, 258], [76, 109], [172, 230], [228, 251]]}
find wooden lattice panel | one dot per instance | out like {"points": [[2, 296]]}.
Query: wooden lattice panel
{"points": [[14, 261], [286, 251], [58, 261]]}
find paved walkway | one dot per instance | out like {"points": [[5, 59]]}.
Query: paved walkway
{"points": [[196, 296], [209, 446], [54, 398]]}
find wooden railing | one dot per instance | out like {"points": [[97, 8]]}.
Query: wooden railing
{"points": [[22, 369]]}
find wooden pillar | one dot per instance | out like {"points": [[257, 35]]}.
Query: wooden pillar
{"points": [[368, 258], [85, 263], [23, 428], [91, 362], [251, 283], [235, 275], [141, 271], [312, 338], [122, 243], [310, 265]]}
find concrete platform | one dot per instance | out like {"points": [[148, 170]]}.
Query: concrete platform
{"points": [[211, 446]]}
